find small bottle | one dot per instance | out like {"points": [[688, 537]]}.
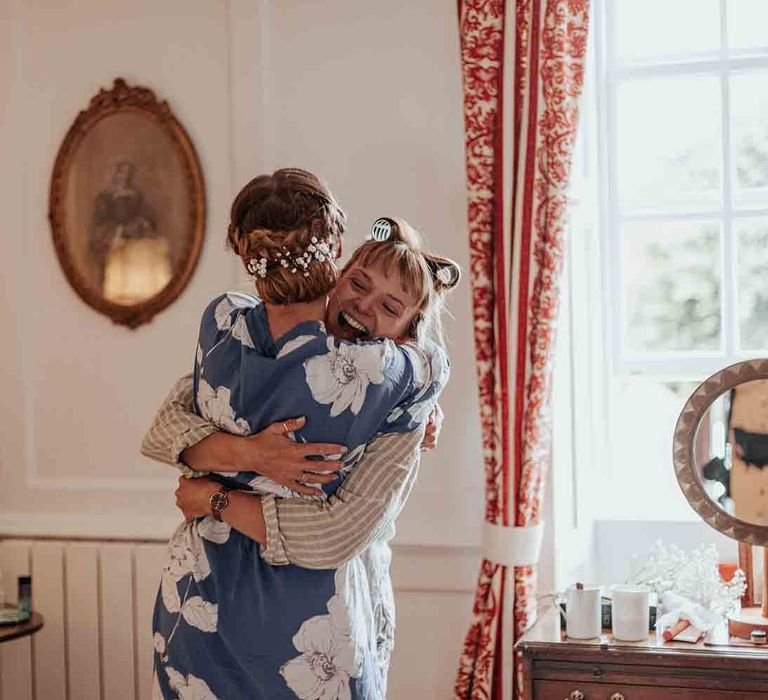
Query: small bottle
{"points": [[25, 597], [758, 636]]}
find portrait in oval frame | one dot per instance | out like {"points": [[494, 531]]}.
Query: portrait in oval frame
{"points": [[127, 205]]}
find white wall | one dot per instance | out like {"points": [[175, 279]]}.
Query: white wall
{"points": [[77, 390], [368, 95]]}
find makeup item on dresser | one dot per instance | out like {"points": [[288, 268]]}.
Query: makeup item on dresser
{"points": [[672, 632], [582, 611], [690, 634], [25, 597], [629, 612], [758, 637]]}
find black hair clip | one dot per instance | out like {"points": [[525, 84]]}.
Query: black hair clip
{"points": [[448, 275]]}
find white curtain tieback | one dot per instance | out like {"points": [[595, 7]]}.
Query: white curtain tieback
{"points": [[512, 546]]}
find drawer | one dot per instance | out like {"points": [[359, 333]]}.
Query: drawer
{"points": [[564, 690]]}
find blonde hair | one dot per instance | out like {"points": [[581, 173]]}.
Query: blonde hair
{"points": [[419, 273], [278, 217]]}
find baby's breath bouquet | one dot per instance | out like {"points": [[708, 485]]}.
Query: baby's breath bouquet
{"points": [[694, 576]]}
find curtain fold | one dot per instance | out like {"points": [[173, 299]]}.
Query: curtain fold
{"points": [[523, 65]]}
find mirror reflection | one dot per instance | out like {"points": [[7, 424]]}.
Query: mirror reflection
{"points": [[731, 451]]}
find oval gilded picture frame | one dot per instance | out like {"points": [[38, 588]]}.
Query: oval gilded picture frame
{"points": [[683, 450], [127, 205]]}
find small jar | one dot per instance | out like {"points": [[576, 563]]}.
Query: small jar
{"points": [[758, 637]]}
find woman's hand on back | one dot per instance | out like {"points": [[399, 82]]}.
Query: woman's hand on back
{"points": [[434, 425], [273, 454]]}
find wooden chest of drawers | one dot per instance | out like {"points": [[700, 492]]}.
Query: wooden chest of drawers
{"points": [[561, 669]]}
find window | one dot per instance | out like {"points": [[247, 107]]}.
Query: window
{"points": [[681, 101]]}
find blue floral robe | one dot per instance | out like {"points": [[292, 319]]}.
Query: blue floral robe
{"points": [[227, 625]]}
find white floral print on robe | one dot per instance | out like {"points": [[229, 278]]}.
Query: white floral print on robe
{"points": [[330, 654], [341, 377], [188, 559], [216, 407], [189, 687]]}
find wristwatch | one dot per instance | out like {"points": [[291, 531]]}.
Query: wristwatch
{"points": [[219, 501]]}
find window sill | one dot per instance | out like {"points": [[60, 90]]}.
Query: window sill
{"points": [[618, 542]]}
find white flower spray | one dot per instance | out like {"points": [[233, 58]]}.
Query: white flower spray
{"points": [[693, 575]]}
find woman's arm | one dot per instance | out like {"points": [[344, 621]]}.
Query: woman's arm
{"points": [[324, 535], [176, 427], [321, 534], [243, 512], [180, 437], [310, 534]]}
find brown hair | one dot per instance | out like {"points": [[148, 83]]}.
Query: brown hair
{"points": [[427, 276], [276, 217]]}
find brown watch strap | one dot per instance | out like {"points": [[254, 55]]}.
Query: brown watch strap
{"points": [[219, 501]]}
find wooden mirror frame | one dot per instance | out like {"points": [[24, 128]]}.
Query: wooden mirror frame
{"points": [[683, 444], [121, 98]]}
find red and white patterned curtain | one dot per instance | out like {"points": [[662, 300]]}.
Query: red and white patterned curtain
{"points": [[523, 67]]}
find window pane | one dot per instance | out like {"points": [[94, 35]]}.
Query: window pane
{"points": [[671, 275], [668, 142], [751, 264], [747, 20], [749, 134], [665, 28]]}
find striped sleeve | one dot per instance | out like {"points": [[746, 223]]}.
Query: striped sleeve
{"points": [[324, 535], [176, 427]]}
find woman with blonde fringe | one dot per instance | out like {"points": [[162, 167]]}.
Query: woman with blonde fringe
{"points": [[354, 359]]}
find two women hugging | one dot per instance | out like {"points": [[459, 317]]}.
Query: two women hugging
{"points": [[311, 402]]}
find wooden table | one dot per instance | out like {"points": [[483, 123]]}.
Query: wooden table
{"points": [[22, 629], [556, 668]]}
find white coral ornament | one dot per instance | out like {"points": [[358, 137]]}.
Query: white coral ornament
{"points": [[694, 576], [341, 377]]}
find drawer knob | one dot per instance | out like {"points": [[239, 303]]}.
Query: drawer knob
{"points": [[617, 696], [575, 695]]}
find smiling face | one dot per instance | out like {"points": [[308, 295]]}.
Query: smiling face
{"points": [[368, 302]]}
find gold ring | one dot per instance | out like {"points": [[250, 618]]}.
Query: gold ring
{"points": [[285, 427]]}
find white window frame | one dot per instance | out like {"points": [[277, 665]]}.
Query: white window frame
{"points": [[591, 544], [611, 73]]}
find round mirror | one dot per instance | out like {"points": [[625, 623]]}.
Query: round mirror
{"points": [[721, 451]]}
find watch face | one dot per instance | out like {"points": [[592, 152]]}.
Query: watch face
{"points": [[219, 501]]}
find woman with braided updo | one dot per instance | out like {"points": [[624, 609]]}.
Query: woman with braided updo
{"points": [[231, 621]]}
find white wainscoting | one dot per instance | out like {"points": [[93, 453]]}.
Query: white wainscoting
{"points": [[97, 597]]}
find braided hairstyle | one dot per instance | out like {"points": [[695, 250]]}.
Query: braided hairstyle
{"points": [[427, 276], [278, 217]]}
